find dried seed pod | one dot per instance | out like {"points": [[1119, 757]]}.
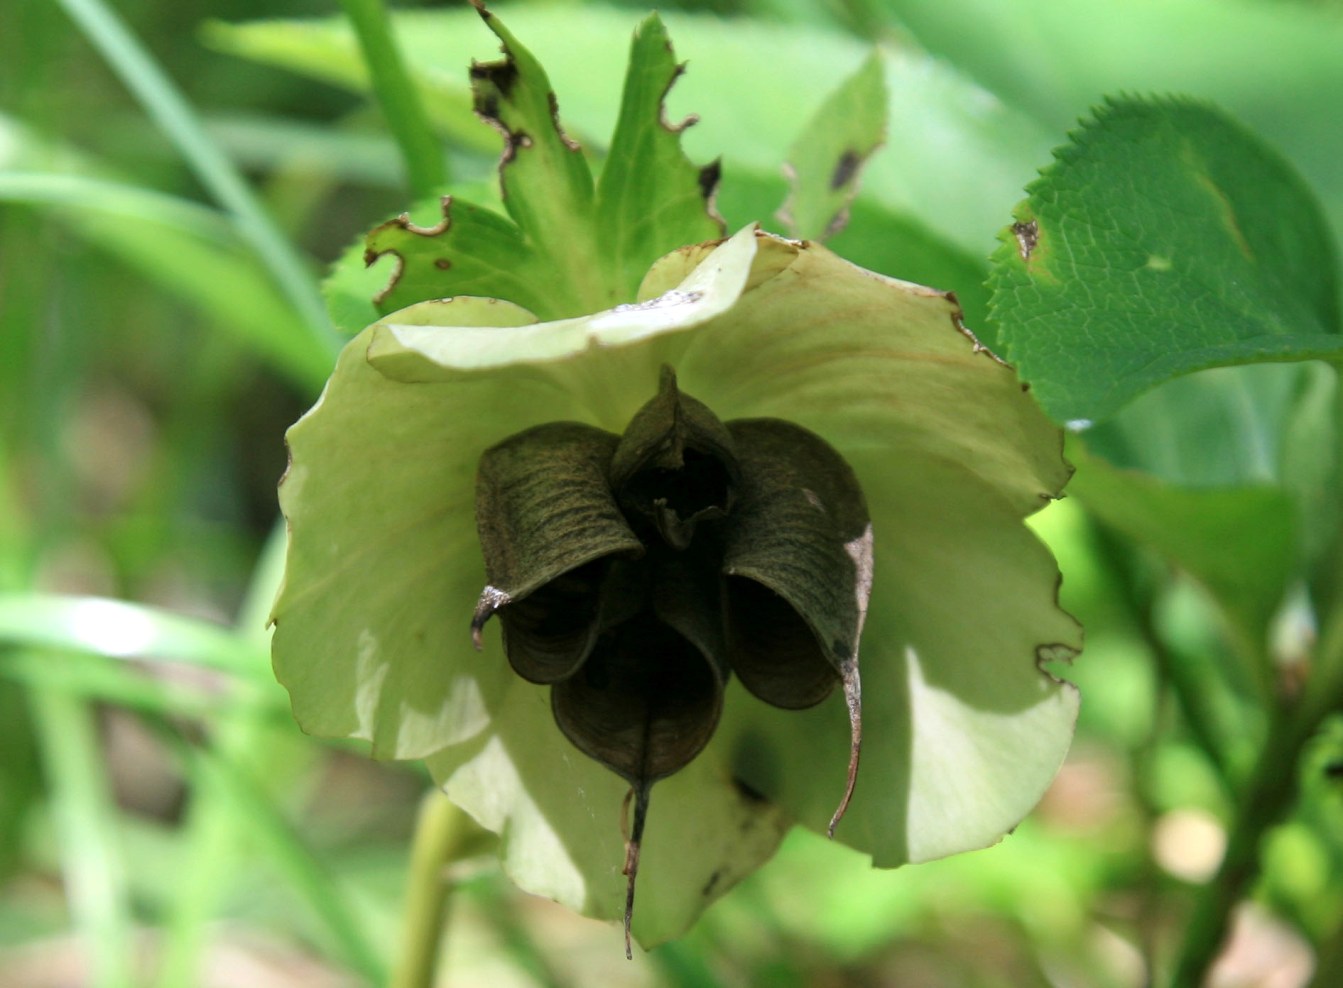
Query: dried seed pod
{"points": [[798, 557], [549, 531], [650, 694], [636, 574], [675, 466]]}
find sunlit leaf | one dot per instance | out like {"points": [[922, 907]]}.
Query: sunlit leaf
{"points": [[1164, 240]]}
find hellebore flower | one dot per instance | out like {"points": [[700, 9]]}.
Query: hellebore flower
{"points": [[704, 492], [962, 729]]}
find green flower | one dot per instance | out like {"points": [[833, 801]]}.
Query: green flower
{"points": [[708, 457], [962, 728]]}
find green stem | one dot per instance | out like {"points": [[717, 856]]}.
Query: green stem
{"points": [[170, 110], [1191, 695], [211, 859], [406, 117], [1268, 797], [1329, 963], [438, 835], [81, 806], [222, 779]]}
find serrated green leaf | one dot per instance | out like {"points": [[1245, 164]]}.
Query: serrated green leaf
{"points": [[826, 159], [1165, 239], [547, 185], [355, 282], [650, 197], [351, 286], [960, 156], [470, 251], [567, 249]]}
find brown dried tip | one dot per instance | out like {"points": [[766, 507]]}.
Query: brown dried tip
{"points": [[632, 847], [491, 599], [853, 698]]}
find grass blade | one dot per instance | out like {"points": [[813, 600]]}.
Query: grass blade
{"points": [[406, 117], [170, 110], [85, 823]]}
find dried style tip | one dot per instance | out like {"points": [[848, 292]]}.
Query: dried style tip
{"points": [[632, 848], [853, 699], [491, 599]]}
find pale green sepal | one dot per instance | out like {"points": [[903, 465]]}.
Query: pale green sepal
{"points": [[547, 185], [873, 363], [372, 623], [559, 814], [416, 352], [962, 729], [458, 316]]}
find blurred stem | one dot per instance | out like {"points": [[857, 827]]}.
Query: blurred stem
{"points": [[1189, 692], [1329, 963], [1267, 798], [170, 110], [82, 807], [211, 859], [215, 831], [1143, 758], [438, 836], [406, 117]]}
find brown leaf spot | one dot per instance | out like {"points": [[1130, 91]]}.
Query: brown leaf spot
{"points": [[845, 169], [1028, 235], [442, 263], [708, 178]]}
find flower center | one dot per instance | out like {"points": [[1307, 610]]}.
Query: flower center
{"points": [[635, 574]]}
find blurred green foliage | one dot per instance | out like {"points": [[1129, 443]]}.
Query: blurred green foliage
{"points": [[163, 822]]}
